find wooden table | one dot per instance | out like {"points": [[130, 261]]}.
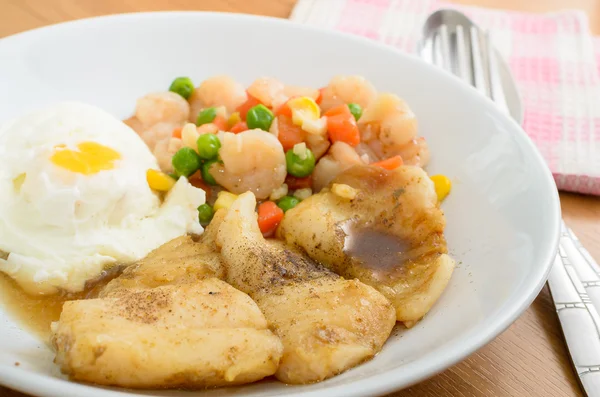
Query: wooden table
{"points": [[530, 358]]}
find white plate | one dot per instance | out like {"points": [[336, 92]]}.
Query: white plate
{"points": [[502, 214]]}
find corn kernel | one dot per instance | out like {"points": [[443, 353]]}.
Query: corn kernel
{"points": [[274, 129], [300, 150], [442, 186], [278, 193], [344, 191], [303, 194], [189, 136], [224, 200], [234, 119], [304, 108], [159, 180], [315, 127], [221, 111]]}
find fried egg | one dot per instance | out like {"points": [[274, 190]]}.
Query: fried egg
{"points": [[74, 198]]}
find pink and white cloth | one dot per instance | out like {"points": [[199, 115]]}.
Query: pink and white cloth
{"points": [[554, 59]]}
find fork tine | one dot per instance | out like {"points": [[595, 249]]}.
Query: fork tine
{"points": [[440, 48], [497, 90], [426, 50], [479, 63], [485, 49], [436, 52], [445, 47], [463, 49]]}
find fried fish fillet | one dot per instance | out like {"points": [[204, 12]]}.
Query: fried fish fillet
{"points": [[327, 324], [179, 261], [191, 335], [389, 236], [163, 324]]}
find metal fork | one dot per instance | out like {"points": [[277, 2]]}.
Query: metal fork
{"points": [[452, 41]]}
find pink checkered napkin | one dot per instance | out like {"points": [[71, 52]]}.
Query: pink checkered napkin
{"points": [[554, 60]]}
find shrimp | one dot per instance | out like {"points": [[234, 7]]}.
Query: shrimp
{"points": [[366, 153], [166, 107], [158, 132], [273, 93], [135, 124], [389, 127], [340, 157], [347, 89], [164, 151], [216, 91], [416, 152], [269, 91], [252, 160], [318, 144], [294, 90]]}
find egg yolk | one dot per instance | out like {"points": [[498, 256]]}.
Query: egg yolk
{"points": [[90, 158]]}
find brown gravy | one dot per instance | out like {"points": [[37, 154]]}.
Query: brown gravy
{"points": [[376, 250], [35, 313]]}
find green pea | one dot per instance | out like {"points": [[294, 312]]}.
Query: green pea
{"points": [[206, 176], [182, 86], [287, 203], [259, 117], [208, 146], [185, 161], [205, 214], [356, 110], [206, 116], [299, 167]]}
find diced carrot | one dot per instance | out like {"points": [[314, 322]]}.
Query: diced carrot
{"points": [[342, 125], [244, 107], [295, 183], [269, 217], [289, 134], [284, 110], [389, 164], [340, 110], [177, 132], [196, 181], [239, 127], [320, 97], [221, 123], [343, 129]]}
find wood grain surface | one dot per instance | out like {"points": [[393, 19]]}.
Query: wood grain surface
{"points": [[528, 359]]}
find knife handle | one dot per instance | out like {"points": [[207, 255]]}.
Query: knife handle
{"points": [[575, 287]]}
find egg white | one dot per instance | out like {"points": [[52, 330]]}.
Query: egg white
{"points": [[61, 228]]}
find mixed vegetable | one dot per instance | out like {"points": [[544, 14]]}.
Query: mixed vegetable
{"points": [[281, 142]]}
